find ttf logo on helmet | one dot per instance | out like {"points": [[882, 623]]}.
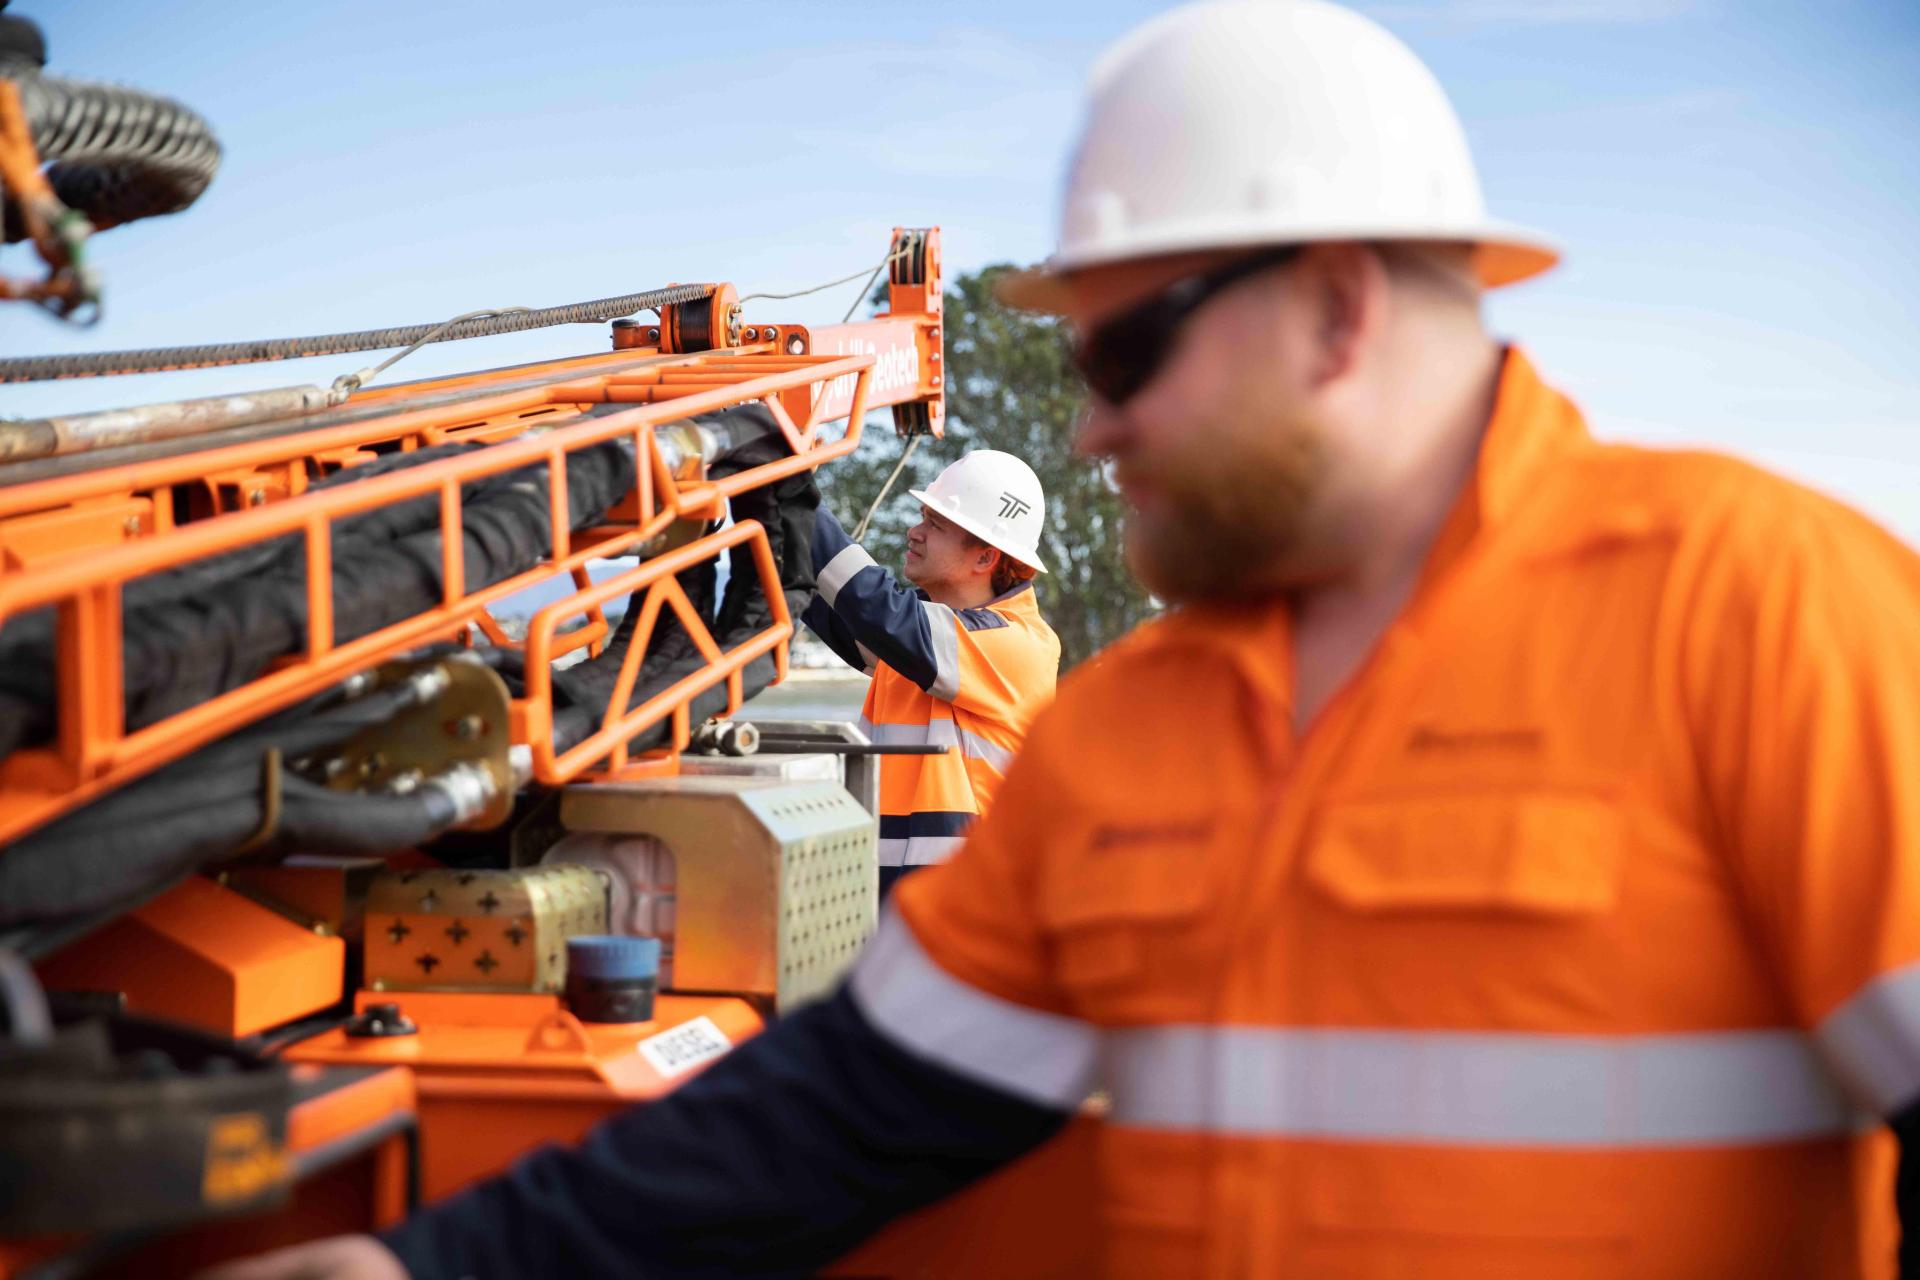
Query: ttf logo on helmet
{"points": [[1012, 508]]}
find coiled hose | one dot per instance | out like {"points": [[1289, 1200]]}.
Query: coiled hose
{"points": [[115, 154]]}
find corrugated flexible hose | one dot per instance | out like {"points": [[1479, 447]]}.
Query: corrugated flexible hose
{"points": [[114, 153]]}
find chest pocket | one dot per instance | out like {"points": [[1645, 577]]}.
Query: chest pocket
{"points": [[1129, 904], [1482, 912], [1485, 912], [1529, 856]]}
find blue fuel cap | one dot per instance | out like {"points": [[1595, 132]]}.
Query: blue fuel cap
{"points": [[610, 957]]}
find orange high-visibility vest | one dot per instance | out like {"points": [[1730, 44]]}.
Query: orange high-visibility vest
{"points": [[970, 680], [1578, 937], [1006, 660]]}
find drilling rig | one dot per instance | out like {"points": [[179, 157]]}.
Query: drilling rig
{"points": [[324, 891]]}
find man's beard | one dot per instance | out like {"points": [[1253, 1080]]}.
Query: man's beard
{"points": [[1229, 524]]}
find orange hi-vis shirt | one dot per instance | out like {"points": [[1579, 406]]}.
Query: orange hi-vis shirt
{"points": [[1578, 937]]}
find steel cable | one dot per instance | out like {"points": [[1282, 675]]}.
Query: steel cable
{"points": [[258, 350]]}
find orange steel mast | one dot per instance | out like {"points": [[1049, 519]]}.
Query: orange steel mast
{"points": [[72, 542]]}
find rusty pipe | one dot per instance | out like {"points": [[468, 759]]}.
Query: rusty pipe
{"points": [[25, 439]]}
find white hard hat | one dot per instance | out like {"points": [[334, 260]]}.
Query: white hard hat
{"points": [[995, 497], [1260, 122]]}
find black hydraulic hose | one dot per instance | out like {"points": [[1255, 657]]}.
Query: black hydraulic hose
{"points": [[114, 153], [317, 819]]}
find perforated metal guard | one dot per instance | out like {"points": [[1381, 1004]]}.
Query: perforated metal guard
{"points": [[777, 881], [829, 886]]}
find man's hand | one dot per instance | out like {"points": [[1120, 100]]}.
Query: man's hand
{"points": [[340, 1258]]}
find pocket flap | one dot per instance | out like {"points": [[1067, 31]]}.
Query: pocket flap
{"points": [[1538, 853]]}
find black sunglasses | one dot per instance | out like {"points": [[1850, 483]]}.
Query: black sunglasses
{"points": [[1121, 357]]}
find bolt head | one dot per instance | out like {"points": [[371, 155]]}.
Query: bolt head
{"points": [[752, 335], [796, 345], [131, 525], [256, 497], [653, 335]]}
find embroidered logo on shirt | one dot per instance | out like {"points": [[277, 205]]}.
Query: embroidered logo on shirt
{"points": [[1117, 837], [1428, 738]]}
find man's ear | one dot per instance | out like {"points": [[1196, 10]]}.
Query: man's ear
{"points": [[1347, 287], [987, 560]]}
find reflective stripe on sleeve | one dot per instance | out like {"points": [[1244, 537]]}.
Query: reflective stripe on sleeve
{"points": [[893, 850], [1463, 1088], [946, 650], [1873, 1041], [848, 561], [1042, 1057]]}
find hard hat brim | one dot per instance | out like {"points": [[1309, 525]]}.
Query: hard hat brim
{"points": [[949, 513], [1503, 254]]}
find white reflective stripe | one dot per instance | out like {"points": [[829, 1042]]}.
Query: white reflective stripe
{"points": [[1498, 1089], [1873, 1041], [1042, 1057], [937, 733], [846, 562], [975, 747], [940, 733], [893, 851], [924, 851], [946, 651], [865, 726]]}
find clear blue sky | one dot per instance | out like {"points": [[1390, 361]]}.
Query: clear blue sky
{"points": [[1737, 184]]}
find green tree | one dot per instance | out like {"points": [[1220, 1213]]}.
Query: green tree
{"points": [[1009, 387]]}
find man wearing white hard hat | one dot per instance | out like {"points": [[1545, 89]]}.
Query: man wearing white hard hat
{"points": [[1503, 860], [959, 654]]}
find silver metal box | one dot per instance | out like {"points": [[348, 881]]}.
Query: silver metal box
{"points": [[776, 882]]}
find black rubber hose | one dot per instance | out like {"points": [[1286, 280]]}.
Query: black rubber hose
{"points": [[193, 633], [116, 154], [316, 819]]}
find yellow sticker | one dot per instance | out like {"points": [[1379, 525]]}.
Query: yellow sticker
{"points": [[242, 1159]]}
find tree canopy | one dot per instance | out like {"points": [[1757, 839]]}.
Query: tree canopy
{"points": [[1011, 387]]}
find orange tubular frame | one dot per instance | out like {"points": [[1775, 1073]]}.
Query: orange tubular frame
{"points": [[535, 712], [95, 753]]}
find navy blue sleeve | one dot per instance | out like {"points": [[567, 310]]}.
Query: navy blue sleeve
{"points": [[909, 634], [778, 1159], [820, 620]]}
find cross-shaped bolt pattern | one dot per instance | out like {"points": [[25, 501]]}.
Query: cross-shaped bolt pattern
{"points": [[485, 962], [515, 934], [397, 931], [427, 962], [458, 932], [489, 903], [430, 902]]}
